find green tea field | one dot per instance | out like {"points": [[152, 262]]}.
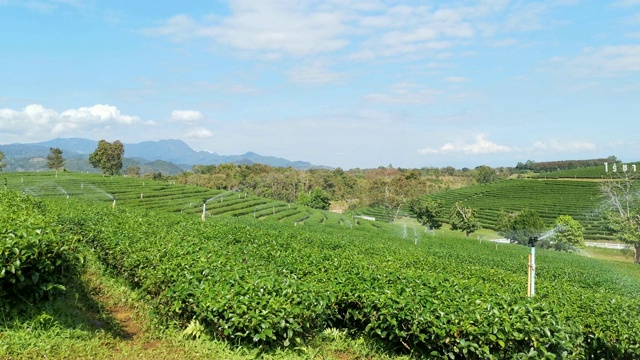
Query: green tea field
{"points": [[166, 196], [550, 198], [279, 287]]}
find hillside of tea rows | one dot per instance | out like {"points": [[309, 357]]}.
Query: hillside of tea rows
{"points": [[550, 198]]}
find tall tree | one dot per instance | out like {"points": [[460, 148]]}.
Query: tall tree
{"points": [[391, 189], [622, 203], [55, 161], [429, 212], [318, 199], [569, 234], [464, 219], [2, 164], [485, 174], [520, 226], [108, 157]]}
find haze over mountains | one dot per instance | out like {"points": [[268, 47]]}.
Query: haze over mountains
{"points": [[172, 155]]}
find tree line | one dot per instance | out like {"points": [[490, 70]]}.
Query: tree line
{"points": [[389, 187], [550, 166]]}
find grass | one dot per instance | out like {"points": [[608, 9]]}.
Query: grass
{"points": [[99, 317], [623, 255]]}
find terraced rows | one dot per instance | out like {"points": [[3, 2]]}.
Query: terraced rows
{"points": [[168, 196], [550, 198]]}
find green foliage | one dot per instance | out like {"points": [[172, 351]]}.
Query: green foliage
{"points": [[318, 199], [108, 157], [36, 256], [55, 161], [485, 174], [553, 166], [429, 212], [567, 237], [464, 219], [391, 189], [520, 226]]}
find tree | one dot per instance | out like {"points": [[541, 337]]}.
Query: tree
{"points": [[108, 157], [2, 164], [622, 210], [568, 235], [520, 226], [318, 199], [429, 212], [485, 174], [391, 189], [55, 161], [464, 219], [132, 171]]}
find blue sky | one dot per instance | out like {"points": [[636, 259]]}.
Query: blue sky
{"points": [[348, 83]]}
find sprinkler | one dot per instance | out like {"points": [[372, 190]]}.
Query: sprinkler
{"points": [[531, 286]]}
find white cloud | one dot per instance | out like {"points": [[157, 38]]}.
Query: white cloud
{"points": [[276, 26], [186, 115], [198, 133], [366, 29], [481, 146], [564, 145], [97, 114], [36, 120], [605, 61]]}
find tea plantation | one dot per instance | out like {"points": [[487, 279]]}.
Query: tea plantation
{"points": [[166, 196], [273, 285], [550, 198]]}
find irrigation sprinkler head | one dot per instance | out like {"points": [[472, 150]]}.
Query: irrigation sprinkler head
{"points": [[532, 241]]}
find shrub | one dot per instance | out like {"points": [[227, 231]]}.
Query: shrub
{"points": [[36, 256]]}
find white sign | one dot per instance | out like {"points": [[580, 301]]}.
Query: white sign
{"points": [[614, 167]]}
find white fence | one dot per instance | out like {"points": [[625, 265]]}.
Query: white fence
{"points": [[365, 217], [606, 245], [588, 243]]}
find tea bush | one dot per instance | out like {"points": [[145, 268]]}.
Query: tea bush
{"points": [[36, 256]]}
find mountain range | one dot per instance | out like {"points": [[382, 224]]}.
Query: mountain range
{"points": [[169, 157]]}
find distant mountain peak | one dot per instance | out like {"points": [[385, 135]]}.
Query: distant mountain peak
{"points": [[171, 150]]}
